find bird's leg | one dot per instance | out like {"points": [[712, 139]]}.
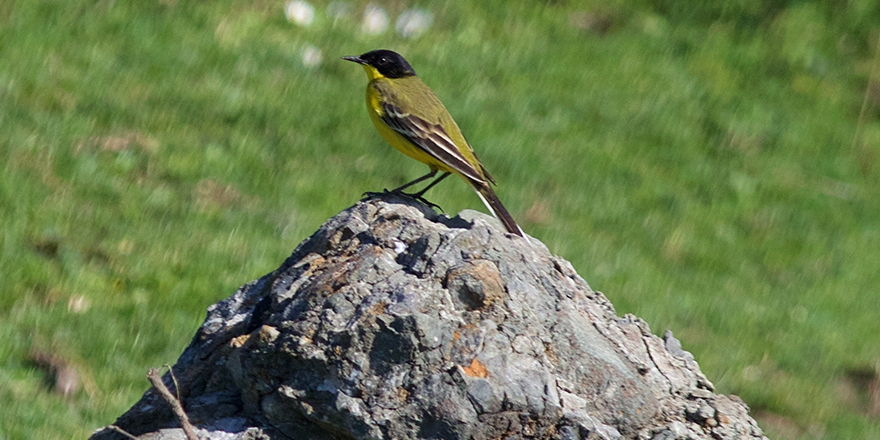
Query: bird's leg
{"points": [[419, 194], [400, 189]]}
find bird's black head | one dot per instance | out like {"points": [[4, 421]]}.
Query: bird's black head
{"points": [[389, 63]]}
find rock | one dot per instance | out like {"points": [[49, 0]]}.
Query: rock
{"points": [[392, 322]]}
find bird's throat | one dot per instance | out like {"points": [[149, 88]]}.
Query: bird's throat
{"points": [[372, 72]]}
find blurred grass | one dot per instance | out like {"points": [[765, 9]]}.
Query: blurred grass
{"points": [[704, 165]]}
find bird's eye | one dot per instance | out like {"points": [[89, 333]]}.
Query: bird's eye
{"points": [[383, 61]]}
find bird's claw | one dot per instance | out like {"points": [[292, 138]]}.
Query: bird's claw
{"points": [[371, 194], [416, 196], [431, 205]]}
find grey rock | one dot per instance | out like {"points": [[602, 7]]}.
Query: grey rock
{"points": [[673, 346], [392, 322]]}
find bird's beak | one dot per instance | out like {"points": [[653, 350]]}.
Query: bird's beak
{"points": [[354, 59]]}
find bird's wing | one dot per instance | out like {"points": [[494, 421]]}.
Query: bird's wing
{"points": [[432, 138]]}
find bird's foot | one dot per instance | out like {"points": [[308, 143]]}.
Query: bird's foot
{"points": [[372, 195], [415, 196], [430, 204]]}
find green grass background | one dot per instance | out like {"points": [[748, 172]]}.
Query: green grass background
{"points": [[713, 168]]}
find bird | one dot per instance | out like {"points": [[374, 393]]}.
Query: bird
{"points": [[411, 118]]}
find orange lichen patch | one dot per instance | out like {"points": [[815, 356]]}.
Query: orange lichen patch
{"points": [[266, 334], [476, 369], [548, 351], [238, 341], [379, 308], [311, 261], [456, 335], [476, 283], [402, 393]]}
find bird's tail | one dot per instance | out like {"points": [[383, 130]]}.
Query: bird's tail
{"points": [[487, 195]]}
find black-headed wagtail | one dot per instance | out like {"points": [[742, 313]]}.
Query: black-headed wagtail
{"points": [[412, 119]]}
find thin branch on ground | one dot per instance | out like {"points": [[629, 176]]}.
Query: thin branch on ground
{"points": [[156, 379], [174, 379]]}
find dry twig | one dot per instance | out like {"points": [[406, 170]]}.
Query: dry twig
{"points": [[156, 379]]}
